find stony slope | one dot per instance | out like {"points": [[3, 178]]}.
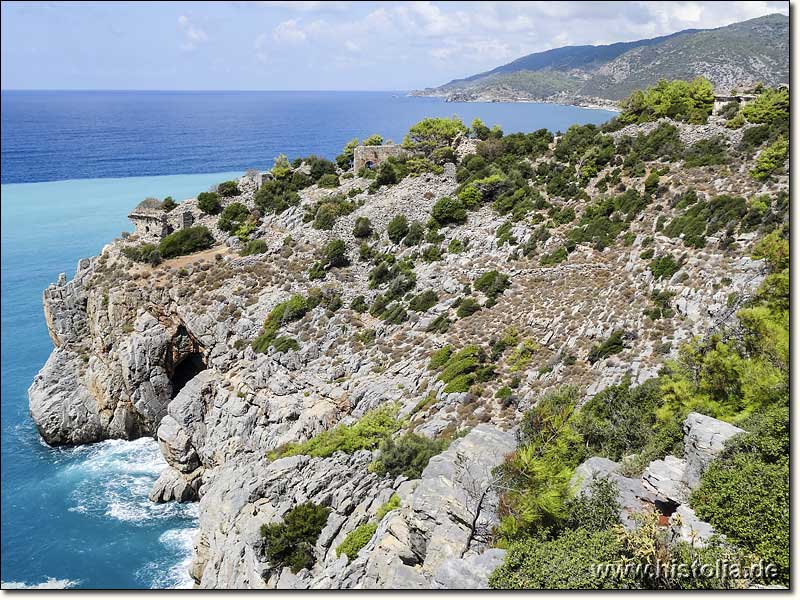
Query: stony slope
{"points": [[126, 333]]}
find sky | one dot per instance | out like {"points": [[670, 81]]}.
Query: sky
{"points": [[314, 45]]}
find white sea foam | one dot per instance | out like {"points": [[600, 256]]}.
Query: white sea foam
{"points": [[49, 584], [113, 479], [181, 542]]}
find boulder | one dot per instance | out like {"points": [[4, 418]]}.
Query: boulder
{"points": [[666, 478], [704, 439], [632, 496], [687, 527]]}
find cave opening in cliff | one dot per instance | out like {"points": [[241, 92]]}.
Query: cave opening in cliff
{"points": [[186, 369]]}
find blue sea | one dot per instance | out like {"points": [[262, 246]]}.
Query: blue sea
{"points": [[73, 165]]}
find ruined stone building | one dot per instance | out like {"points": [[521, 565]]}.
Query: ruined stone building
{"points": [[721, 100], [151, 222], [372, 156]]}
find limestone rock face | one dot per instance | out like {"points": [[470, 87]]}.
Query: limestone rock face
{"points": [[665, 478], [687, 527], [111, 374], [633, 497], [704, 439], [63, 410], [167, 351], [666, 482]]}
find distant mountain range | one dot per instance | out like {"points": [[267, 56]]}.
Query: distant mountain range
{"points": [[732, 56]]}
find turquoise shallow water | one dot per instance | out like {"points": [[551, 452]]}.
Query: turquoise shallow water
{"points": [[78, 515]]}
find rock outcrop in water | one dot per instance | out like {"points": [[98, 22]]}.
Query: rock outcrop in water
{"points": [[166, 351]]}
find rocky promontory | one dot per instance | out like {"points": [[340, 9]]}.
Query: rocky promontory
{"points": [[189, 348]]}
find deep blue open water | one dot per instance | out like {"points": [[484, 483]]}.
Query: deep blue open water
{"points": [[73, 165]]}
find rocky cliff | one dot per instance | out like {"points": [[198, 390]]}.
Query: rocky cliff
{"points": [[166, 351]]}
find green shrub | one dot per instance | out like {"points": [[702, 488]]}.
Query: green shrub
{"points": [[432, 133], [679, 100], [504, 235], [432, 253], [366, 337], [169, 204], [388, 174], [233, 217], [397, 228], [439, 325], [186, 241], [470, 196], [394, 314], [392, 504], [492, 284], [596, 509], [407, 455], [706, 218], [744, 494], [366, 433], [664, 267], [455, 246], [415, 235], [613, 345], [291, 543], [468, 306], [662, 308], [359, 304], [208, 202], [554, 258], [356, 540], [290, 310], [706, 152], [440, 357], [535, 479], [622, 420], [771, 160], [276, 195], [651, 183], [567, 562], [285, 343], [362, 228], [398, 274], [753, 137], [254, 247], [449, 210], [228, 189], [462, 369], [143, 253], [597, 226], [769, 106], [317, 271], [423, 301], [329, 180], [324, 213], [336, 254]]}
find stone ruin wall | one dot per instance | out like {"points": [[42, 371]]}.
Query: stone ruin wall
{"points": [[374, 155]]}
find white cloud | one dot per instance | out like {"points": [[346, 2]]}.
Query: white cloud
{"points": [[457, 39], [309, 6], [193, 35], [290, 32]]}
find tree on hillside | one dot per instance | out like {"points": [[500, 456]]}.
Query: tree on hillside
{"points": [[432, 133]]}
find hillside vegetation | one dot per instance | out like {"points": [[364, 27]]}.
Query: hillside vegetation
{"points": [[737, 55], [493, 359]]}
